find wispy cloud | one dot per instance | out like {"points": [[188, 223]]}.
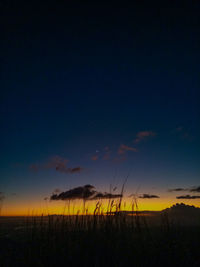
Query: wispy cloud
{"points": [[187, 197], [179, 129], [177, 189], [57, 190], [140, 136], [192, 189], [183, 133], [57, 163], [148, 196], [2, 196], [95, 157], [106, 156], [107, 153], [86, 192], [123, 149], [195, 189], [34, 167], [120, 159]]}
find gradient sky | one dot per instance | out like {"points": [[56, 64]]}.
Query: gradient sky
{"points": [[114, 90]]}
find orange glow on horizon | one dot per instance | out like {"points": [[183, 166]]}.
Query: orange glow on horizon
{"points": [[78, 207]]}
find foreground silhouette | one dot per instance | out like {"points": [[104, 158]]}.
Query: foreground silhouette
{"points": [[101, 240]]}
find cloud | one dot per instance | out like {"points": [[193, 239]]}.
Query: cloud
{"points": [[177, 189], [86, 192], [143, 135], [81, 192], [123, 149], [57, 190], [34, 167], [187, 197], [74, 170], [179, 129], [196, 189], [2, 196], [57, 163], [148, 196], [106, 156], [95, 157], [183, 133], [120, 159], [106, 196]]}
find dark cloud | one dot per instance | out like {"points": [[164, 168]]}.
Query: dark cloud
{"points": [[81, 192], [2, 196], [57, 163], [74, 170], [195, 189], [187, 197], [106, 196], [148, 196], [143, 135], [177, 189], [86, 192]]}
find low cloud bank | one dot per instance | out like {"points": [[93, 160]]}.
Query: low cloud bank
{"points": [[177, 189], [148, 196], [187, 197], [86, 192], [193, 189]]}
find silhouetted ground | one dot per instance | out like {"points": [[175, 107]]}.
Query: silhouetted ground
{"points": [[101, 240]]}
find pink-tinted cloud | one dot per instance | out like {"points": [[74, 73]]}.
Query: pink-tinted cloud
{"points": [[179, 129], [120, 159], [106, 156], [74, 170], [140, 136], [34, 167], [123, 149], [183, 133], [95, 157], [56, 162]]}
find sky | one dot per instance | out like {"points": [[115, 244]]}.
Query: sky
{"points": [[95, 93]]}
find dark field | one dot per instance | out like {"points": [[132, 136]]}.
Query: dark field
{"points": [[99, 240]]}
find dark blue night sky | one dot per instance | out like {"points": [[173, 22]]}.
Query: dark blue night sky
{"points": [[113, 90]]}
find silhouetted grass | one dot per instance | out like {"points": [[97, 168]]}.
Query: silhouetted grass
{"points": [[102, 239]]}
